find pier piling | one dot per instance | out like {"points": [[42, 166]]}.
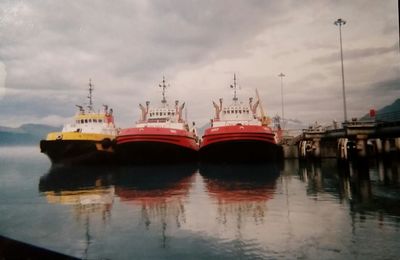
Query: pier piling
{"points": [[356, 139]]}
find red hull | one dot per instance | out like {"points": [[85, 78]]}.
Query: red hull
{"points": [[238, 132], [239, 143], [153, 144]]}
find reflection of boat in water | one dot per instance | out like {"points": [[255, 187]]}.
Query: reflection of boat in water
{"points": [[240, 190], [86, 189], [88, 139], [146, 184], [83, 187], [159, 191], [240, 182], [75, 178]]}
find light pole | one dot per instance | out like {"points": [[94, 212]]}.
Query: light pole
{"points": [[339, 22], [283, 114]]}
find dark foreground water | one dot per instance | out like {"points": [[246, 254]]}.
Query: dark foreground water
{"points": [[288, 211]]}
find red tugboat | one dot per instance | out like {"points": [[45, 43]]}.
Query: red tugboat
{"points": [[237, 134], [160, 136]]}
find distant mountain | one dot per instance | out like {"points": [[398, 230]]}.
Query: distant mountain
{"points": [[387, 113], [27, 134]]}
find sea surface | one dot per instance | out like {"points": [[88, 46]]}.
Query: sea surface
{"points": [[291, 210]]}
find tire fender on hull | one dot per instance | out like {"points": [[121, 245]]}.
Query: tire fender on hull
{"points": [[106, 143]]}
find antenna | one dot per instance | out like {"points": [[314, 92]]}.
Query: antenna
{"points": [[90, 106], [234, 86], [163, 86]]}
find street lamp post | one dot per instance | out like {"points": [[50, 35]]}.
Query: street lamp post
{"points": [[339, 22], [283, 114]]}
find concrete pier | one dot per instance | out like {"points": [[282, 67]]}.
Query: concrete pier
{"points": [[397, 144], [357, 139], [361, 145], [386, 146]]}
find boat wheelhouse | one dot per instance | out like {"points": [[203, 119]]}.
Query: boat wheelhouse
{"points": [[238, 134], [88, 139], [161, 135]]}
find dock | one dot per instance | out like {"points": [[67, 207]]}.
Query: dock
{"points": [[353, 139]]}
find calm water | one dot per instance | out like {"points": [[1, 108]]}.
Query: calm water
{"points": [[306, 211]]}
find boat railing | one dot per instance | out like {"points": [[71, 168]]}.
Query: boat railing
{"points": [[235, 122]]}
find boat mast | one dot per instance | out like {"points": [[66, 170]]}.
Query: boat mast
{"points": [[235, 99], [90, 106], [163, 86]]}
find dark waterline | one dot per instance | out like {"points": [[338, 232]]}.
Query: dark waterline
{"points": [[266, 211]]}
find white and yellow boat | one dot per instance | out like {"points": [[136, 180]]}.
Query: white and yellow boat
{"points": [[89, 139]]}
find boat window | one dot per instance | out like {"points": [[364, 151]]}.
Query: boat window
{"points": [[86, 121], [169, 113], [100, 120], [90, 120], [240, 111], [94, 120]]}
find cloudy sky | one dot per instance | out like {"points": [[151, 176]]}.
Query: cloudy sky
{"points": [[50, 48]]}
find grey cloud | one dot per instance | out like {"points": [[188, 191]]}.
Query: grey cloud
{"points": [[126, 47], [391, 85], [354, 54], [26, 105], [128, 39]]}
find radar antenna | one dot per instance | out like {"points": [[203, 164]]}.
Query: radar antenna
{"points": [[234, 86], [90, 106], [163, 86]]}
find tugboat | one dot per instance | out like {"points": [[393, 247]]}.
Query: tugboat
{"points": [[89, 140], [238, 134], [160, 136]]}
